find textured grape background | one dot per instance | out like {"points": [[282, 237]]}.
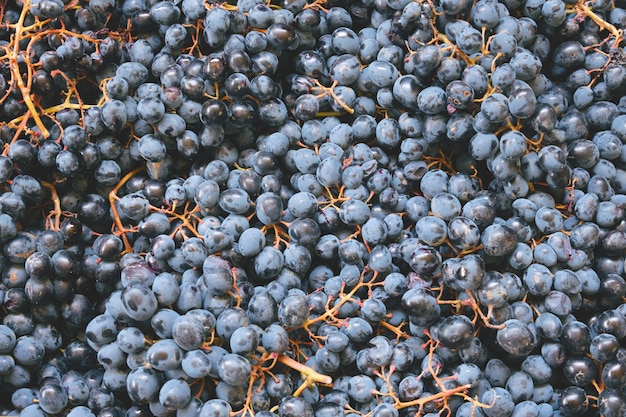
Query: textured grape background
{"points": [[376, 208]]}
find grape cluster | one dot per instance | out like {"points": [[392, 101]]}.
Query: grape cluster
{"points": [[298, 208]]}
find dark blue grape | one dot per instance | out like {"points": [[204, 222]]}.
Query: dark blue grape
{"points": [[114, 115], [28, 351], [175, 394], [432, 100], [139, 302], [143, 384]]}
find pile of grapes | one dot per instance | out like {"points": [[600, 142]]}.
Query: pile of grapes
{"points": [[298, 208]]}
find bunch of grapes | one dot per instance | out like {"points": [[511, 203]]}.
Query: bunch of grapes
{"points": [[313, 208]]}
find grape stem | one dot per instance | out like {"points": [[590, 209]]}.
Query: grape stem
{"points": [[113, 199], [310, 375], [18, 131], [15, 70], [343, 298], [585, 10], [330, 91], [57, 204]]}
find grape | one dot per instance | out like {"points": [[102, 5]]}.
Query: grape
{"points": [[360, 388], [516, 337], [74, 137], [114, 115], [135, 360], [102, 329], [28, 351], [52, 398], [110, 356], [445, 206], [7, 340], [502, 400], [175, 394], [431, 100], [268, 263], [244, 340], [498, 240], [143, 384], [130, 340], [139, 302], [353, 212], [495, 108], [234, 369], [558, 303], [194, 251], [188, 333], [165, 355], [579, 371], [455, 332], [603, 347]]}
